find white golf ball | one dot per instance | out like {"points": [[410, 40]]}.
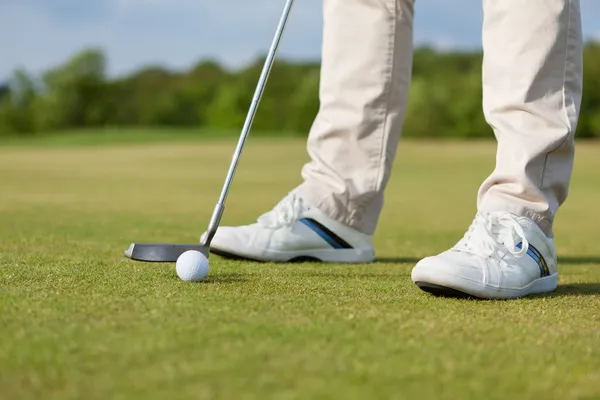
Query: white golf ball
{"points": [[192, 266]]}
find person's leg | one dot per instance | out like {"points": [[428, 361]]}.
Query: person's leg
{"points": [[365, 76], [532, 86]]}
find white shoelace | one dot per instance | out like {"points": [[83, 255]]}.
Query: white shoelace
{"points": [[490, 233], [285, 213]]}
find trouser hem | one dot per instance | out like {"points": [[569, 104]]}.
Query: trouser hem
{"points": [[336, 207]]}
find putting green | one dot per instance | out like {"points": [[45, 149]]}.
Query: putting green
{"points": [[78, 320]]}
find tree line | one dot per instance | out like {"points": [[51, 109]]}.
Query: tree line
{"points": [[444, 99]]}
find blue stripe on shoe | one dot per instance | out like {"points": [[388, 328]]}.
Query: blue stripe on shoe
{"points": [[538, 258], [327, 235]]}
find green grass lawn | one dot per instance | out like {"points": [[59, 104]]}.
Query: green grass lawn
{"points": [[78, 320]]}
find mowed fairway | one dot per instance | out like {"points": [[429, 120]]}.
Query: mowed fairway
{"points": [[78, 320]]}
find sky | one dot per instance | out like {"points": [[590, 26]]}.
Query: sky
{"points": [[39, 34]]}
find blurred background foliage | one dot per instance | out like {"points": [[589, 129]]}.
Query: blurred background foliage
{"points": [[444, 99]]}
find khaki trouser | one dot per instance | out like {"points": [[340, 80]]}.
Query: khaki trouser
{"points": [[532, 83]]}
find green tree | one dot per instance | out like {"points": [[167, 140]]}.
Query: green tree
{"points": [[73, 93], [144, 98], [17, 104], [226, 111], [4, 91], [444, 99], [198, 90], [589, 122], [304, 103]]}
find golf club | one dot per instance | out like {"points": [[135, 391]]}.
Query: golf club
{"points": [[165, 252]]}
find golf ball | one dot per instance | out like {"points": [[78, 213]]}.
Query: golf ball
{"points": [[192, 266]]}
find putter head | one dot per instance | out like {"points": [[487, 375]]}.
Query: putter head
{"points": [[162, 252]]}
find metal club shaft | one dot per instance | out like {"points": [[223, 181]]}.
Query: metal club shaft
{"points": [[264, 76]]}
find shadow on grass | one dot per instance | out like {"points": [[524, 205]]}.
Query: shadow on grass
{"points": [[348, 275], [310, 260], [561, 260], [413, 260], [398, 260], [579, 260], [573, 289], [564, 290], [220, 279]]}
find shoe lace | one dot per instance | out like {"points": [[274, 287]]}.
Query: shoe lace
{"points": [[494, 232], [284, 214]]}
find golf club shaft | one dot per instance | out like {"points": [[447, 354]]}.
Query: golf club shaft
{"points": [[264, 76]]}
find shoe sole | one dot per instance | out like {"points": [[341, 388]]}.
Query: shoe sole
{"points": [[443, 285], [443, 291], [320, 256]]}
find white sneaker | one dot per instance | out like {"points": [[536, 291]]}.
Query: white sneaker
{"points": [[294, 231], [501, 256]]}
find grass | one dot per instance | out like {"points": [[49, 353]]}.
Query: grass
{"points": [[125, 137], [77, 320]]}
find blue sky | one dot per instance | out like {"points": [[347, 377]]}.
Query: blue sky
{"points": [[39, 34]]}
